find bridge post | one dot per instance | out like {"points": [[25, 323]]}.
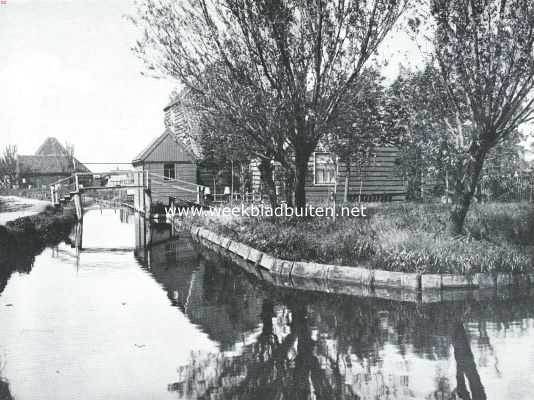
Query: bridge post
{"points": [[54, 195], [147, 195], [78, 235], [147, 202], [77, 196]]}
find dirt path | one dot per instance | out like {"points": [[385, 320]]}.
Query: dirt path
{"points": [[12, 207]]}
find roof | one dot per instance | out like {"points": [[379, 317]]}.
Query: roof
{"points": [[48, 164], [51, 146], [178, 98], [50, 158], [185, 123], [143, 155]]}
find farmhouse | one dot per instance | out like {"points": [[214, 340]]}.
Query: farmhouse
{"points": [[376, 179], [50, 163], [174, 161]]}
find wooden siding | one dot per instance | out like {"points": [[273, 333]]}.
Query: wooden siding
{"points": [[168, 151], [160, 191], [378, 179]]}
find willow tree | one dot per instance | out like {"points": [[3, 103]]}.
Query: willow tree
{"points": [[484, 50], [241, 121], [303, 53]]}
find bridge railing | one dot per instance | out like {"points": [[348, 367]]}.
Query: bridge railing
{"points": [[177, 183], [61, 189], [99, 180]]}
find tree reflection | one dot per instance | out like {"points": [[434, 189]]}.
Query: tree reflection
{"points": [[276, 366], [309, 345], [465, 366], [5, 394]]}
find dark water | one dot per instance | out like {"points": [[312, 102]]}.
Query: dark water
{"points": [[119, 320]]}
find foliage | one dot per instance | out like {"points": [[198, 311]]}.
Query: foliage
{"points": [[484, 54], [416, 112], [359, 125], [294, 57]]}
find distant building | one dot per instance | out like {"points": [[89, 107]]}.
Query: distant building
{"points": [[50, 163]]}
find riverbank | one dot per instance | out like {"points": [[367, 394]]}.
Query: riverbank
{"points": [[29, 235], [13, 207], [411, 238]]}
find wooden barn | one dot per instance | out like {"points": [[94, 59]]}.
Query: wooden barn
{"points": [[50, 163], [169, 166]]}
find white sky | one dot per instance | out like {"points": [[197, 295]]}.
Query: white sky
{"points": [[66, 70]]}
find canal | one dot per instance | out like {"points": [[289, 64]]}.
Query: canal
{"points": [[140, 313]]}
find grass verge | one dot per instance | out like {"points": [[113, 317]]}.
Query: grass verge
{"points": [[404, 237], [30, 235]]}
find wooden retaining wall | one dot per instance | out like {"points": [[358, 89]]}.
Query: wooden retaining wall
{"points": [[361, 281]]}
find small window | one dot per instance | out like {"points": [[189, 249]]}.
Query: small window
{"points": [[168, 171], [324, 169]]}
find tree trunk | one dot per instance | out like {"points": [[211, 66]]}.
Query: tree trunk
{"points": [[266, 174], [302, 155], [289, 186], [464, 189], [347, 183]]}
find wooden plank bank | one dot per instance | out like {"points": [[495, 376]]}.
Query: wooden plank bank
{"points": [[360, 281]]}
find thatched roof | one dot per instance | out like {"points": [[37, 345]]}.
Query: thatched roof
{"points": [[51, 147], [53, 164], [50, 158], [185, 123]]}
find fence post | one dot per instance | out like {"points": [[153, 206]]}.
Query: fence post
{"points": [[52, 195], [78, 205]]}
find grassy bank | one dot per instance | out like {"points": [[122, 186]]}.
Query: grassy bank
{"points": [[28, 236], [35, 193], [398, 237]]}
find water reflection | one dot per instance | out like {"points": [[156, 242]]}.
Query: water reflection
{"points": [[278, 343], [173, 320], [311, 345]]}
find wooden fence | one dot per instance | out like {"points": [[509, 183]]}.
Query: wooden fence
{"points": [[507, 189], [490, 188]]}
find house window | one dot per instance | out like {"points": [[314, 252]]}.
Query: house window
{"points": [[168, 171], [324, 169]]}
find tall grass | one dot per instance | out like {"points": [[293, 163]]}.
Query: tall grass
{"points": [[398, 237]]}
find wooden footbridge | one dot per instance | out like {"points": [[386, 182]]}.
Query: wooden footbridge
{"points": [[143, 187]]}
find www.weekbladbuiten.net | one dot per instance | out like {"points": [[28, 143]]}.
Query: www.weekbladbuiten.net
{"points": [[264, 210]]}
